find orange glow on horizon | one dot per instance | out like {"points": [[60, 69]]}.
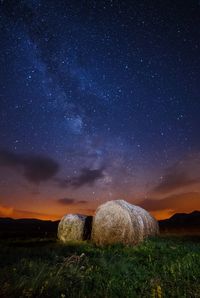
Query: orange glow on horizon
{"points": [[162, 214], [50, 209], [6, 211]]}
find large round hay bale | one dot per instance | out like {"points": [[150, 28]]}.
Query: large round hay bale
{"points": [[74, 227], [151, 227], [121, 222]]}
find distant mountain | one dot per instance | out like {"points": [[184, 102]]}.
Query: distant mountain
{"points": [[181, 223], [10, 227]]}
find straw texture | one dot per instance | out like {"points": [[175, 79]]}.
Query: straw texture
{"points": [[120, 222], [71, 228]]}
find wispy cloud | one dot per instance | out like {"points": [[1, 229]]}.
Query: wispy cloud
{"points": [[69, 201], [173, 181], [34, 168], [8, 211], [184, 202], [184, 173], [86, 177]]}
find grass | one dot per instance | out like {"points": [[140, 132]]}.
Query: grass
{"points": [[159, 267]]}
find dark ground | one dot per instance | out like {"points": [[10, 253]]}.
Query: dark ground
{"points": [[42, 267], [34, 264]]}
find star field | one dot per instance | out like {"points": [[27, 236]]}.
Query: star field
{"points": [[107, 90]]}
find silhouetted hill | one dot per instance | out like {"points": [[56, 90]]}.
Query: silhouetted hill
{"points": [[186, 223], [10, 227], [179, 223]]}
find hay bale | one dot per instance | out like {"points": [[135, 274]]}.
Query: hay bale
{"points": [[154, 227], [120, 222], [151, 227], [74, 227]]}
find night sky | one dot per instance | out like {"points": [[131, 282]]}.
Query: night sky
{"points": [[99, 100]]}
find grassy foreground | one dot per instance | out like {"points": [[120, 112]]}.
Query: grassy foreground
{"points": [[159, 267]]}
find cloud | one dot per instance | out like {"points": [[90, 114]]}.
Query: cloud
{"points": [[69, 201], [82, 202], [66, 201], [87, 177], [173, 181], [7, 211], [34, 168], [183, 173], [35, 192], [184, 202]]}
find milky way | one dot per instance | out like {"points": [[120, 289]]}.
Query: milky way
{"points": [[108, 91]]}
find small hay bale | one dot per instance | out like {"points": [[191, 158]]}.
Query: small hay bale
{"points": [[120, 222], [74, 227]]}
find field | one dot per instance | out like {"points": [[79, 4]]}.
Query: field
{"points": [[159, 267]]}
